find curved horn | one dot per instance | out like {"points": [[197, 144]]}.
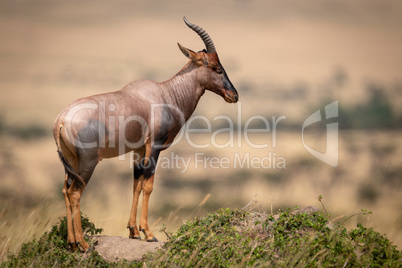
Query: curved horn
{"points": [[204, 36]]}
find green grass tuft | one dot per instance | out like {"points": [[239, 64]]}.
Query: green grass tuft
{"points": [[291, 239], [50, 250], [227, 238]]}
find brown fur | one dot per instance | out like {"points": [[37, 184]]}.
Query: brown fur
{"points": [[89, 130]]}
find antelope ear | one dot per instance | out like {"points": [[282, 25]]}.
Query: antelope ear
{"points": [[188, 53]]}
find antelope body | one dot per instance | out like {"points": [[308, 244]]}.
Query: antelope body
{"points": [[143, 117]]}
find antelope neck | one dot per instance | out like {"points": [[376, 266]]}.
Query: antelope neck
{"points": [[184, 90]]}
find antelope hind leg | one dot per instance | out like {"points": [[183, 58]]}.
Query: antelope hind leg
{"points": [[74, 195], [70, 230]]}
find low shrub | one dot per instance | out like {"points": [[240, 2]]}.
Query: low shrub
{"points": [[50, 250], [227, 238], [291, 239]]}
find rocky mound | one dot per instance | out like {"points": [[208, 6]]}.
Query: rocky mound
{"points": [[116, 248]]}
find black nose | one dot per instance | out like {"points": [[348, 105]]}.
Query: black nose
{"points": [[236, 98]]}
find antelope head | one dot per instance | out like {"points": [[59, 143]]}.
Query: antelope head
{"points": [[212, 74]]}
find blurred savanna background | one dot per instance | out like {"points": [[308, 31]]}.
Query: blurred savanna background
{"points": [[287, 59]]}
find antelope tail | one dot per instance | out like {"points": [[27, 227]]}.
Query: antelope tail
{"points": [[72, 174]]}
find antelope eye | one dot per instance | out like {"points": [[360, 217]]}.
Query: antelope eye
{"points": [[219, 70]]}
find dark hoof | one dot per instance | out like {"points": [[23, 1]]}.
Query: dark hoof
{"points": [[70, 246], [132, 231], [152, 240]]}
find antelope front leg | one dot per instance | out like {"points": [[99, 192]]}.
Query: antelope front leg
{"points": [[147, 187], [132, 222], [147, 190]]}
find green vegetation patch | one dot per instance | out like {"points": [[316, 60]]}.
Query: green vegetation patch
{"points": [[50, 250], [290, 239], [227, 238]]}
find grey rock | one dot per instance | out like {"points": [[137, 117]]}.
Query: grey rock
{"points": [[116, 248]]}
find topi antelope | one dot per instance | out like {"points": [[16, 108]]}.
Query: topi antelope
{"points": [[143, 117]]}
